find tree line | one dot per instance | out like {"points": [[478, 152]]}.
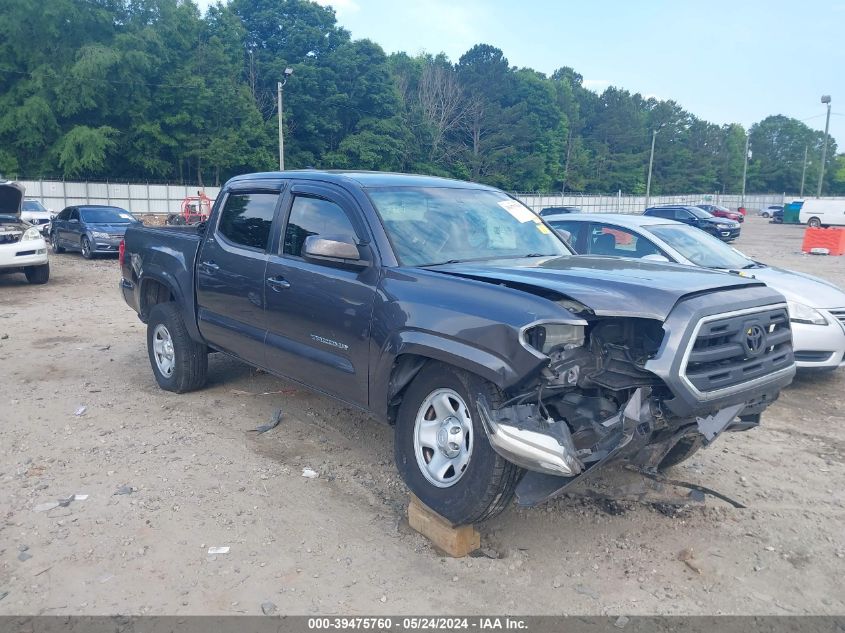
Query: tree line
{"points": [[154, 89]]}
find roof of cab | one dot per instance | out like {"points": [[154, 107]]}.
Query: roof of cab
{"points": [[364, 178]]}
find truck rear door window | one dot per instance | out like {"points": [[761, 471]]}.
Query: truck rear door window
{"points": [[246, 219], [313, 216]]}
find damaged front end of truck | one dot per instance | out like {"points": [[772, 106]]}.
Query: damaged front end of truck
{"points": [[650, 393]]}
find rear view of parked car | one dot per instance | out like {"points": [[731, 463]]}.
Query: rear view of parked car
{"points": [[723, 228], [90, 229], [22, 247]]}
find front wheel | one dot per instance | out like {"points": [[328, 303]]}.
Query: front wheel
{"points": [[54, 242], [442, 451], [37, 274], [765, 214], [179, 363], [87, 253], [814, 223]]}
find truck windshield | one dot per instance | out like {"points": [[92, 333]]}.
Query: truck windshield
{"points": [[701, 248], [437, 225], [106, 215]]}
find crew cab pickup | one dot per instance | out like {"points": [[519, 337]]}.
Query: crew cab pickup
{"points": [[452, 311]]}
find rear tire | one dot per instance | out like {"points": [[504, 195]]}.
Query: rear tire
{"points": [[765, 214], [179, 363], [814, 223], [37, 274], [483, 486], [85, 244], [682, 451]]}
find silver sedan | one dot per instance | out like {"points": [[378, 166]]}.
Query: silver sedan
{"points": [[816, 307]]}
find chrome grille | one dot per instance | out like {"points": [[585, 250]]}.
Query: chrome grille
{"points": [[839, 313], [734, 348]]}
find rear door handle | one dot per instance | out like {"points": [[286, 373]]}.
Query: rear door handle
{"points": [[209, 266], [278, 283]]}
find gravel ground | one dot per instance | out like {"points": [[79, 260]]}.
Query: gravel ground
{"points": [[169, 476]]}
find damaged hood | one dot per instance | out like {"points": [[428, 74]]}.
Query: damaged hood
{"points": [[11, 196], [607, 285]]}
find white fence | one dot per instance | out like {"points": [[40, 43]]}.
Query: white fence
{"points": [[135, 198], [163, 199], [624, 203]]}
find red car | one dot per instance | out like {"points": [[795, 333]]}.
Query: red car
{"points": [[722, 212]]}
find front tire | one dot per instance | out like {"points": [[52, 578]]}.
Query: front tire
{"points": [[87, 253], [54, 242], [765, 214], [179, 363], [37, 274], [442, 451], [814, 223]]}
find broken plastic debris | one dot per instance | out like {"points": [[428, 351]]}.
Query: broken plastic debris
{"points": [[621, 621], [124, 490], [78, 497], [268, 608], [219, 550], [43, 507], [80, 411], [277, 418], [309, 473]]}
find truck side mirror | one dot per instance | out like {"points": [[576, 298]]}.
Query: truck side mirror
{"points": [[335, 249]]}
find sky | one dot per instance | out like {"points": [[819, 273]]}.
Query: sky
{"points": [[726, 62]]}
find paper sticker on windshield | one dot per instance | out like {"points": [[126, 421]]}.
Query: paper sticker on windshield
{"points": [[518, 211]]}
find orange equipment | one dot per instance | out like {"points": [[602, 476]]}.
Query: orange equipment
{"points": [[831, 239]]}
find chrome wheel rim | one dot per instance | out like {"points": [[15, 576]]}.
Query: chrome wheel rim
{"points": [[163, 352], [443, 438], [86, 247], [55, 242]]}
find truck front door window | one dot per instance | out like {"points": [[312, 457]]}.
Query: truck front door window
{"points": [[314, 216], [247, 217]]}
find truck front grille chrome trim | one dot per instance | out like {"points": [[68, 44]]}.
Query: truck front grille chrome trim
{"points": [[732, 351]]}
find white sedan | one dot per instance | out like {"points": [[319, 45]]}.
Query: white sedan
{"points": [[816, 307], [22, 247]]}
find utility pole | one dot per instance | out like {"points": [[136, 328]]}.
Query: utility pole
{"points": [[288, 72], [745, 169], [803, 172], [650, 165], [825, 99]]}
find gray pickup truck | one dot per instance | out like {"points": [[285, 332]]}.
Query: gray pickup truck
{"points": [[451, 311]]}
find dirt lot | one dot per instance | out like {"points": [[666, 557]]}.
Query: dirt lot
{"points": [[337, 544]]}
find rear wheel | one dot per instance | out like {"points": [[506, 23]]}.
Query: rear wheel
{"points": [[37, 274], [814, 222], [765, 214], [179, 363], [442, 451], [87, 253]]}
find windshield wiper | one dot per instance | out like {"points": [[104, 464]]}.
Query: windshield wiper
{"points": [[751, 265]]}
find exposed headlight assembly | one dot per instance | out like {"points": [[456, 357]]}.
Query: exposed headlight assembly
{"points": [[548, 336], [800, 313]]}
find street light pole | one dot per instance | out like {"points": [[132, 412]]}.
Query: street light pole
{"points": [[803, 172], [650, 165], [825, 99], [745, 169], [288, 72]]}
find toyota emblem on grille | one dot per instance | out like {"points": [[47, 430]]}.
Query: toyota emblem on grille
{"points": [[755, 339]]}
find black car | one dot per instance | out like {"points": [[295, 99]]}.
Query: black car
{"points": [[723, 228], [90, 229], [454, 313], [558, 210]]}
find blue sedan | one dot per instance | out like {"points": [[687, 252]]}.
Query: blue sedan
{"points": [[90, 229]]}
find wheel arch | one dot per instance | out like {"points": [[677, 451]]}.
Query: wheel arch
{"points": [[403, 358], [160, 287]]}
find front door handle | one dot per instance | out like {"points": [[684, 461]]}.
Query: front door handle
{"points": [[209, 267], [278, 283]]}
